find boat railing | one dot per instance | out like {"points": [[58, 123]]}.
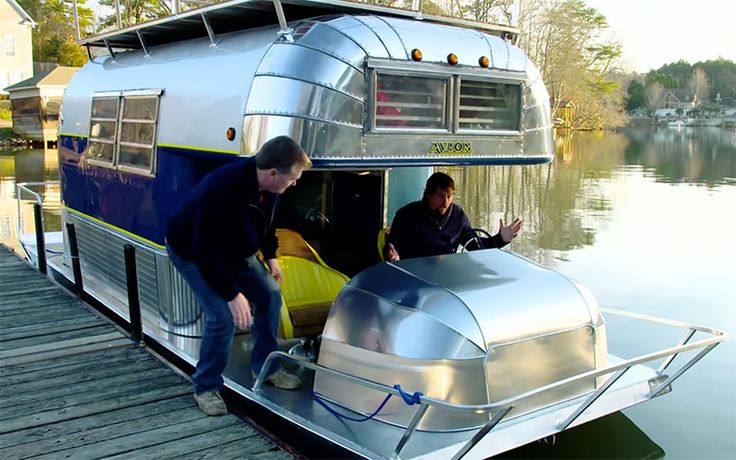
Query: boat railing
{"points": [[25, 192], [182, 14], [501, 408]]}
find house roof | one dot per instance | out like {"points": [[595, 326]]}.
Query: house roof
{"points": [[21, 12], [681, 94], [58, 76]]}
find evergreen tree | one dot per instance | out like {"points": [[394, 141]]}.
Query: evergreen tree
{"points": [[54, 38], [635, 96]]}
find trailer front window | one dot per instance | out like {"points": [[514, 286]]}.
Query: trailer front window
{"points": [[410, 102], [489, 105]]}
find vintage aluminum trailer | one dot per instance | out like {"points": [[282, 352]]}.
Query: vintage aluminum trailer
{"points": [[493, 350]]}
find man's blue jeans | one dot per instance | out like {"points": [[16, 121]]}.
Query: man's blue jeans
{"points": [[263, 293]]}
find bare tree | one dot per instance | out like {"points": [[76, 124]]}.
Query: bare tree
{"points": [[564, 38], [653, 94], [699, 84]]}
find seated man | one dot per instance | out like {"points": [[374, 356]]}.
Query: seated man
{"points": [[435, 225]]}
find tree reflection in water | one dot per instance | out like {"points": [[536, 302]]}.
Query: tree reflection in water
{"points": [[565, 203]]}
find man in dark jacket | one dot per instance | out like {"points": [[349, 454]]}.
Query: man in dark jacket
{"points": [[212, 240], [435, 225]]}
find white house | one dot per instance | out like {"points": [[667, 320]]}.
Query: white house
{"points": [[16, 53]]}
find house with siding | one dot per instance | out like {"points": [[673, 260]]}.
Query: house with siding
{"points": [[36, 103], [679, 98], [16, 52]]}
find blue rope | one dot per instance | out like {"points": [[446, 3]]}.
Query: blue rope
{"points": [[332, 411], [410, 399]]}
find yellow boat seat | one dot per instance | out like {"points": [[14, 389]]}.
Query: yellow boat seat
{"points": [[308, 288], [381, 242]]}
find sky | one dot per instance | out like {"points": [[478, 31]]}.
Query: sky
{"points": [[658, 32]]}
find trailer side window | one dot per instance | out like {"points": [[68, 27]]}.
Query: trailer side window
{"points": [[137, 131], [122, 131], [102, 131]]}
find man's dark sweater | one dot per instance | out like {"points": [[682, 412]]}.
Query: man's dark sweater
{"points": [[417, 231], [223, 221]]}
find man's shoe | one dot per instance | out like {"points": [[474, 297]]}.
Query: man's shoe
{"points": [[211, 403], [283, 379]]}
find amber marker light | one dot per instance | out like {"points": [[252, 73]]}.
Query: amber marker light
{"points": [[484, 62], [230, 134], [416, 54], [452, 59]]}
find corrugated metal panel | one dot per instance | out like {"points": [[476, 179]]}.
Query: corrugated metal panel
{"points": [[165, 297]]}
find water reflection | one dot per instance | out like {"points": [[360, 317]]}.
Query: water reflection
{"points": [[613, 436], [17, 166], [701, 156], [565, 203]]}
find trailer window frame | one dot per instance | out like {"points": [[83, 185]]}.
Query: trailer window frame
{"points": [[515, 120], [455, 78], [446, 102], [122, 120], [96, 123]]}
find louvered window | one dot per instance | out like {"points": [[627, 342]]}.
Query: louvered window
{"points": [[488, 105], [411, 102], [461, 104]]}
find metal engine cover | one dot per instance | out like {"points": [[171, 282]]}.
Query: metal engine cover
{"points": [[469, 328]]}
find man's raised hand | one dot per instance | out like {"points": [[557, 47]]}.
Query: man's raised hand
{"points": [[509, 232]]}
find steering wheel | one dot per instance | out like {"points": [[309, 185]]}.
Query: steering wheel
{"points": [[474, 240]]}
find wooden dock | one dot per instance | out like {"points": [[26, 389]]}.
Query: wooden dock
{"points": [[72, 385]]}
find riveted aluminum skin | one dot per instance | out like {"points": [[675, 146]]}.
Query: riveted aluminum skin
{"points": [[470, 328], [318, 86]]}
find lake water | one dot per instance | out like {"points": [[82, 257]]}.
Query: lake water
{"points": [[645, 218]]}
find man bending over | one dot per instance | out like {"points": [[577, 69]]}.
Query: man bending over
{"points": [[212, 240]]}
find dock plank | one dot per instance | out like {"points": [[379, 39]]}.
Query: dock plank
{"points": [[69, 351], [147, 438], [43, 348], [41, 317], [85, 393], [60, 335], [85, 381], [44, 382], [141, 413], [242, 448], [48, 417], [216, 442], [67, 364], [87, 439], [45, 329], [71, 385]]}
